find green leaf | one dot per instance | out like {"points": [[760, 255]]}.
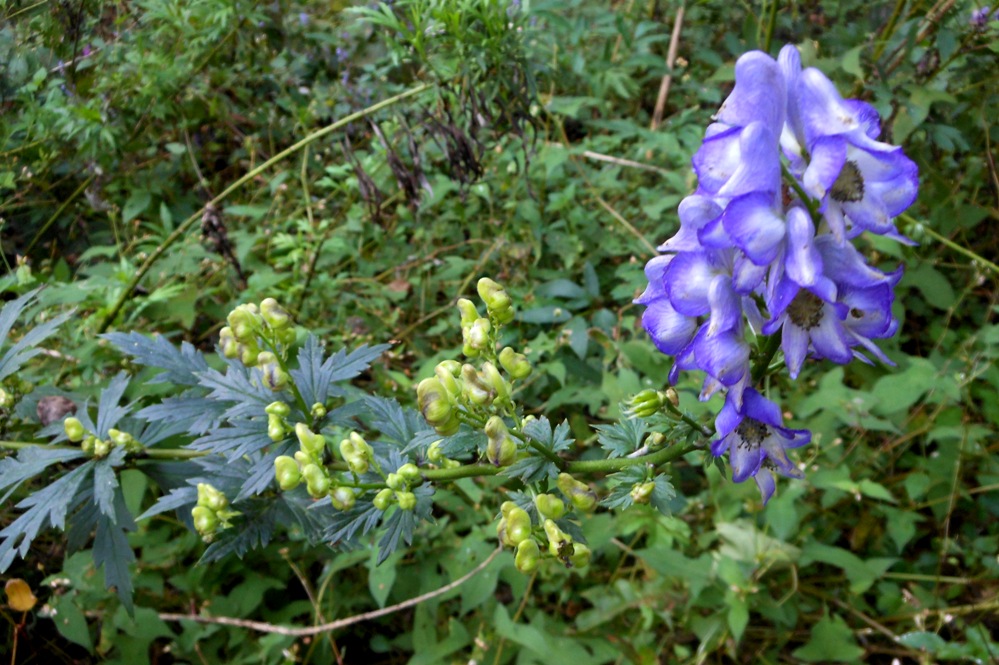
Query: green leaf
{"points": [[113, 553], [382, 574], [540, 430], [831, 641], [861, 573], [182, 365], [28, 463], [136, 204], [623, 437], [69, 619], [24, 349]]}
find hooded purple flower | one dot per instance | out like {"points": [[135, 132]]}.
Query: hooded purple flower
{"points": [[756, 441]]}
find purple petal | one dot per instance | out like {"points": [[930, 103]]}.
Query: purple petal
{"points": [[758, 407], [828, 154], [759, 163], [765, 481], [669, 330], [755, 226], [724, 356], [688, 279], [744, 458], [725, 311], [794, 342], [829, 338], [758, 95]]}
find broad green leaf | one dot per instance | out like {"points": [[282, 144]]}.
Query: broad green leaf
{"points": [[831, 641]]}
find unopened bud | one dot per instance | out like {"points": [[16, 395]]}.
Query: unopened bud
{"points": [[312, 443], [74, 429], [205, 520], [579, 493], [278, 409], [244, 322], [274, 377], [275, 315], [228, 343], [642, 492], [646, 403], [409, 471], [492, 377], [287, 473], [395, 481], [210, 497], [318, 411], [528, 556], [497, 301], [316, 480], [474, 388], [477, 334], [515, 364], [468, 312], [581, 556], [101, 448], [549, 506], [343, 498], [407, 500], [383, 499], [557, 539]]}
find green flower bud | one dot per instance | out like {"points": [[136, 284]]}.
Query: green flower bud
{"points": [[343, 498], [501, 451], [318, 411], [74, 429], [287, 473], [89, 444], [468, 312], [279, 409], [477, 334], [244, 322], [434, 454], [407, 500], [495, 427], [409, 471], [451, 464], [312, 443], [501, 532], [446, 373], [528, 556], [248, 353], [497, 301], [358, 464], [549, 506], [518, 526], [275, 315], [557, 539], [433, 401], [642, 492], [581, 556], [275, 428], [287, 336], [316, 480], [496, 382], [515, 364], [266, 358], [120, 438], [302, 457], [579, 493], [275, 378], [205, 520], [6, 399], [383, 499], [474, 388], [396, 481], [646, 403], [506, 507], [228, 343], [209, 497], [101, 448]]}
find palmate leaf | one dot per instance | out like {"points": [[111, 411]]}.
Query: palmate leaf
{"points": [[108, 410], [182, 365], [315, 375], [24, 349], [399, 527], [112, 551], [621, 483], [397, 424], [189, 412], [248, 396], [541, 431], [622, 438], [344, 526], [242, 437], [46, 507], [251, 530]]}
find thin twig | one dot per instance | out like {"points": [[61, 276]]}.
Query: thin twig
{"points": [[589, 154], [263, 627], [674, 41]]}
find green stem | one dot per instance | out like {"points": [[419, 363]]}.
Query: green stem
{"points": [[766, 355], [148, 453], [889, 29], [771, 24], [656, 459], [182, 230], [943, 240], [56, 214]]}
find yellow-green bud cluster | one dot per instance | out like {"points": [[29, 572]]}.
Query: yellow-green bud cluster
{"points": [[6, 399], [241, 338], [212, 513], [549, 506], [96, 447], [399, 483], [356, 453], [501, 449], [498, 303], [277, 420], [307, 464]]}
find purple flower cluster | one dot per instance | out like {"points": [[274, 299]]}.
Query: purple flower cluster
{"points": [[789, 173]]}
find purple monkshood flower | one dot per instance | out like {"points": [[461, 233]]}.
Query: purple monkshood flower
{"points": [[757, 441], [980, 18]]}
